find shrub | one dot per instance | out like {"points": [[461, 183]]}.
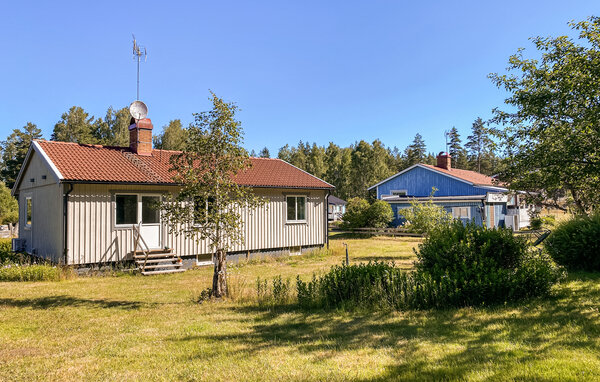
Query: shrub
{"points": [[6, 254], [379, 214], [424, 217], [356, 213], [542, 221], [360, 214], [575, 243], [35, 272], [484, 266], [373, 285]]}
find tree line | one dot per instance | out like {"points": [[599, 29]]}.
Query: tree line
{"points": [[354, 168]]}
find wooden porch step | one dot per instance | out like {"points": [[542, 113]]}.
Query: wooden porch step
{"points": [[154, 256], [154, 261], [155, 266], [148, 273]]}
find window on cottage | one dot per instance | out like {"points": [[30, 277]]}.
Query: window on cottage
{"points": [[461, 212], [127, 209], [296, 208], [202, 206], [150, 209], [399, 192], [29, 212]]}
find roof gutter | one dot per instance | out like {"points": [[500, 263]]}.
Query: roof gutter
{"points": [[66, 222], [179, 184]]}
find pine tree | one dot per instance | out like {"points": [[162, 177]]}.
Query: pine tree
{"points": [[455, 149], [74, 126], [14, 150], [481, 147], [415, 152], [264, 153]]}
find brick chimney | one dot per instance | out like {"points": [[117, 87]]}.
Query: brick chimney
{"points": [[140, 136], [444, 161]]}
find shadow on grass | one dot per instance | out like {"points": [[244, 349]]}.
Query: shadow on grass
{"points": [[435, 345], [70, 301]]}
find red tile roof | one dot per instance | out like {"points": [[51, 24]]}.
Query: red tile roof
{"points": [[96, 163], [470, 176]]}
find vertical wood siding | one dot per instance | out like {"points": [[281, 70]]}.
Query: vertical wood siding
{"points": [[45, 236], [92, 237], [418, 182]]}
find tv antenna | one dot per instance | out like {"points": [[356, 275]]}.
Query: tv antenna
{"points": [[447, 134], [138, 52]]}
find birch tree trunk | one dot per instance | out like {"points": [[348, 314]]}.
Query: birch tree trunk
{"points": [[219, 288]]}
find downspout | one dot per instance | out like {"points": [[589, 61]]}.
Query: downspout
{"points": [[327, 218], [66, 221]]}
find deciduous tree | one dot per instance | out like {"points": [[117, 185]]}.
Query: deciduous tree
{"points": [[551, 134], [209, 203]]}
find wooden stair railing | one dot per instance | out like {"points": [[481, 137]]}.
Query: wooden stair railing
{"points": [[154, 261]]}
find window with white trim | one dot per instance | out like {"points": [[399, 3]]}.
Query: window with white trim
{"points": [[296, 208], [29, 211], [127, 209], [461, 212], [399, 192]]}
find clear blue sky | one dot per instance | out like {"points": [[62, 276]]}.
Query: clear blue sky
{"points": [[315, 71]]}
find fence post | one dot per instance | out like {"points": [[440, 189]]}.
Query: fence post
{"points": [[347, 259]]}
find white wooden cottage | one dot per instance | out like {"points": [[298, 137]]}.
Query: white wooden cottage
{"points": [[79, 204]]}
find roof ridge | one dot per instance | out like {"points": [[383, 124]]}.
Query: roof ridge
{"points": [[140, 165]]}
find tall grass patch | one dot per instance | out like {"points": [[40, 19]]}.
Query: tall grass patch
{"points": [[33, 272]]}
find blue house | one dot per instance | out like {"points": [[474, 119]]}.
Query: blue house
{"points": [[467, 195]]}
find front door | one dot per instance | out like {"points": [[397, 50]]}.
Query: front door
{"points": [[151, 227]]}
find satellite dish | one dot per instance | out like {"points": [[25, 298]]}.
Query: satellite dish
{"points": [[138, 110]]}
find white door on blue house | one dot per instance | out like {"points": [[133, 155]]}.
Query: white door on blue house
{"points": [[151, 227]]}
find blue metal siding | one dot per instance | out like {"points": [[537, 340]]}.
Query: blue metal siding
{"points": [[418, 182], [476, 210]]}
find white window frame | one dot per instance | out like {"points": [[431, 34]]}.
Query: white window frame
{"points": [[392, 192], [28, 199], [296, 221], [456, 212], [138, 196]]}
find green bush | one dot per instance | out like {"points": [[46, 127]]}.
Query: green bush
{"points": [[6, 254], [379, 214], [373, 285], [484, 266], [424, 217], [575, 243], [16, 272], [356, 213], [542, 221], [360, 214]]}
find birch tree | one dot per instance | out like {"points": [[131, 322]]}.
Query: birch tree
{"points": [[210, 203]]}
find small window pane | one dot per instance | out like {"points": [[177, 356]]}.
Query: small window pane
{"points": [[126, 209], [29, 211], [301, 210], [291, 208], [150, 209]]}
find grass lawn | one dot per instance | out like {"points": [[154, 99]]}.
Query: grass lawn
{"points": [[151, 328]]}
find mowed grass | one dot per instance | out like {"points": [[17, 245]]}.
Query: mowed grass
{"points": [[152, 328]]}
